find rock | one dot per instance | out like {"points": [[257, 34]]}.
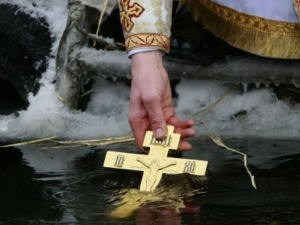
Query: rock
{"points": [[25, 44]]}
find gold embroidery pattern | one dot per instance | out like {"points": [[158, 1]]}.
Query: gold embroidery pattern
{"points": [[159, 24], [141, 27], [253, 34], [253, 22], [127, 12], [148, 40], [168, 8]]}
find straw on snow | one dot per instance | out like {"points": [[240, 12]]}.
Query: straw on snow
{"points": [[37, 141], [70, 144]]}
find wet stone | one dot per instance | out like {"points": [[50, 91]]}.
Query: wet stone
{"points": [[25, 44]]}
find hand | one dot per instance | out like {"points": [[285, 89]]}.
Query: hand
{"points": [[151, 100]]}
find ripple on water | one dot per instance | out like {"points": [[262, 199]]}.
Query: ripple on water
{"points": [[79, 190]]}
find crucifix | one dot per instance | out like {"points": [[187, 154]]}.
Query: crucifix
{"points": [[157, 161]]}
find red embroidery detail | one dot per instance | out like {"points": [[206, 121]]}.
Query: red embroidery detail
{"points": [[297, 7], [127, 12]]}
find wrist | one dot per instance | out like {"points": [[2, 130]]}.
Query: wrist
{"points": [[144, 59], [147, 68]]}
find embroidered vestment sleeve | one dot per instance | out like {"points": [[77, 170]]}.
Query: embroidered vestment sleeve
{"points": [[297, 7], [146, 23]]}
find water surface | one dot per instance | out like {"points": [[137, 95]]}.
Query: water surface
{"points": [[70, 186]]}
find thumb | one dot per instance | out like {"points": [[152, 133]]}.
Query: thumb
{"points": [[157, 119]]}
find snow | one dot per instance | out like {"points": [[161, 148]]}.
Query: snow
{"points": [[106, 115]]}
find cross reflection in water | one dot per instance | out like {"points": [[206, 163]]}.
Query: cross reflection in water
{"points": [[69, 186]]}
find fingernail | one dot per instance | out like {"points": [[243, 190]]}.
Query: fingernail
{"points": [[159, 133]]}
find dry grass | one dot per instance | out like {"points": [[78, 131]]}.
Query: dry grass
{"points": [[207, 109], [54, 143], [100, 19], [217, 140]]}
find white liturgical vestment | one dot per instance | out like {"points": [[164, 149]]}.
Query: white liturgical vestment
{"points": [[267, 28], [281, 10]]}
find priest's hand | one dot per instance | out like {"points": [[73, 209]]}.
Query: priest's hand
{"points": [[151, 106]]}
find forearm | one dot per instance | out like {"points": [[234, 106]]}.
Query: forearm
{"points": [[146, 25]]}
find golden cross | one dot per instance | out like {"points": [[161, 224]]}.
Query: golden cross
{"points": [[135, 10], [157, 161]]}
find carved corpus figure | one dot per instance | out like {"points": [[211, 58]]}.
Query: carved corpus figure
{"points": [[154, 173]]}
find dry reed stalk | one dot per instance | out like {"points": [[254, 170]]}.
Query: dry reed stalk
{"points": [[60, 147], [73, 144], [114, 142], [100, 19], [215, 104], [87, 93], [30, 142], [217, 140], [112, 139]]}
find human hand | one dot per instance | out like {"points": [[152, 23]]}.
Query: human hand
{"points": [[151, 104]]}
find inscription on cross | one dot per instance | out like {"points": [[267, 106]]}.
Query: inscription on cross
{"points": [[128, 11], [157, 161]]}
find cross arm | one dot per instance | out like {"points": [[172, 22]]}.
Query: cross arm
{"points": [[121, 160], [194, 167]]}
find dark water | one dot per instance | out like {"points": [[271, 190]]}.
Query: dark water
{"points": [[70, 186]]}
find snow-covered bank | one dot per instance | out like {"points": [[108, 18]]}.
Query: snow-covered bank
{"points": [[106, 115]]}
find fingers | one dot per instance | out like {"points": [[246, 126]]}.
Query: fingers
{"points": [[138, 122], [184, 128], [155, 112], [151, 101], [139, 131], [184, 146], [179, 123], [185, 133]]}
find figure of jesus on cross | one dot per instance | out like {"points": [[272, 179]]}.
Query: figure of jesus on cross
{"points": [[154, 168], [157, 161]]}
